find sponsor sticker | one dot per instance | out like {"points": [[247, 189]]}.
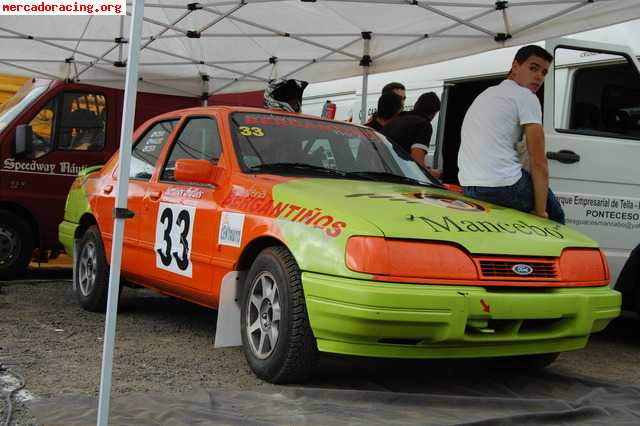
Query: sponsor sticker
{"points": [[231, 225], [612, 212]]}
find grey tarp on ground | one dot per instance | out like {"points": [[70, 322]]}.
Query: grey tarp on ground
{"points": [[544, 398]]}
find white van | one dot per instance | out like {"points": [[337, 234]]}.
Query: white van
{"points": [[591, 113]]}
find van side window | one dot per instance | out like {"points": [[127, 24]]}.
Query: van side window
{"points": [[602, 96], [83, 123], [147, 150], [42, 126], [199, 139]]}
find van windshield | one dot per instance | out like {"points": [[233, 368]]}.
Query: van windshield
{"points": [[18, 103], [302, 146]]}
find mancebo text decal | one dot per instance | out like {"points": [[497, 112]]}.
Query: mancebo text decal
{"points": [[445, 223], [448, 224], [258, 202]]}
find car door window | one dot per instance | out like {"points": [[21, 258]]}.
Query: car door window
{"points": [[42, 127], [83, 122], [199, 139], [146, 152]]}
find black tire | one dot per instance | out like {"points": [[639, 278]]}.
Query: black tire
{"points": [[294, 355], [16, 245], [91, 280], [532, 362]]}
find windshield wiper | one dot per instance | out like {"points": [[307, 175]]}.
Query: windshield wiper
{"points": [[391, 177], [296, 168]]}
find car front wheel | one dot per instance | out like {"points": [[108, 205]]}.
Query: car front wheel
{"points": [[277, 339]]}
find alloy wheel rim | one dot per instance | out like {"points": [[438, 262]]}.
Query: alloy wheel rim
{"points": [[263, 315], [87, 269]]}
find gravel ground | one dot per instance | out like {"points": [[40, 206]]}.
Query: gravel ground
{"points": [[166, 346]]}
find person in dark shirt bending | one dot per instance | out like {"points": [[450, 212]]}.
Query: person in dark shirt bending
{"points": [[412, 130], [389, 106]]}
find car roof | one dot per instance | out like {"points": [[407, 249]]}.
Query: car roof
{"points": [[229, 109]]}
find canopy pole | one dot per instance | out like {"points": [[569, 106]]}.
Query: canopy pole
{"points": [[120, 213], [204, 96], [364, 63]]}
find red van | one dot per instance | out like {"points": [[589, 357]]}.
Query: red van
{"points": [[50, 130]]}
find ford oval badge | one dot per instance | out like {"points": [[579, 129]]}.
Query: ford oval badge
{"points": [[522, 269]]}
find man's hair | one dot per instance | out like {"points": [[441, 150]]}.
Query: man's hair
{"points": [[389, 104], [390, 87], [526, 52], [427, 104]]}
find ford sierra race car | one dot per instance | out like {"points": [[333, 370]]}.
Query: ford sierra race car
{"points": [[325, 237]]}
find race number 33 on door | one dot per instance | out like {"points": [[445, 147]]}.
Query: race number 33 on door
{"points": [[174, 230]]}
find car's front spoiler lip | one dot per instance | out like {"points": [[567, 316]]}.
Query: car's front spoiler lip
{"points": [[423, 321]]}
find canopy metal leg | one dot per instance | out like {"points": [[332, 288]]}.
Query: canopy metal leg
{"points": [[365, 62], [126, 134]]}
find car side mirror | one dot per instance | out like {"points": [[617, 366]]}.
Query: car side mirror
{"points": [[23, 139], [200, 171]]}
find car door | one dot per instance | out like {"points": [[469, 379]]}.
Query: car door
{"points": [[592, 127], [178, 238], [144, 157]]}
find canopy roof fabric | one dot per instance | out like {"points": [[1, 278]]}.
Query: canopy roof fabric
{"points": [[240, 44]]}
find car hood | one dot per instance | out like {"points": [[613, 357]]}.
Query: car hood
{"points": [[418, 212]]}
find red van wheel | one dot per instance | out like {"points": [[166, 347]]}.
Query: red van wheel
{"points": [[16, 245]]}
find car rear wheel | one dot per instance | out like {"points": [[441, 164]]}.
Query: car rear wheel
{"points": [[16, 245], [92, 273], [277, 339]]}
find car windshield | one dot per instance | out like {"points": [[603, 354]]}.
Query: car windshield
{"points": [[302, 146], [18, 102]]}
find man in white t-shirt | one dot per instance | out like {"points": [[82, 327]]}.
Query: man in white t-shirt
{"points": [[497, 120]]}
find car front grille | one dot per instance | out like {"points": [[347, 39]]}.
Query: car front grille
{"points": [[494, 269]]}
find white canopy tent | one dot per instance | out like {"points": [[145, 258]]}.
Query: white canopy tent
{"points": [[238, 45]]}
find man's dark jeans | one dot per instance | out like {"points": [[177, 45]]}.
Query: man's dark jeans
{"points": [[628, 281], [518, 196]]}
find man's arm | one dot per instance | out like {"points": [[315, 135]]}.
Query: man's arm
{"points": [[418, 154], [539, 167]]}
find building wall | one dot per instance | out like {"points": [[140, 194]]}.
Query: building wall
{"points": [[9, 84]]}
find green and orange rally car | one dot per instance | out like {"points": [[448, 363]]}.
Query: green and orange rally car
{"points": [[325, 237]]}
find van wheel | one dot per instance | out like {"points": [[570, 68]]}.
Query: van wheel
{"points": [[92, 273], [277, 339], [16, 245]]}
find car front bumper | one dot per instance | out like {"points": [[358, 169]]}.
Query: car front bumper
{"points": [[380, 319]]}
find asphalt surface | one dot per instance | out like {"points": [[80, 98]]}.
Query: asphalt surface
{"points": [[165, 346]]}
